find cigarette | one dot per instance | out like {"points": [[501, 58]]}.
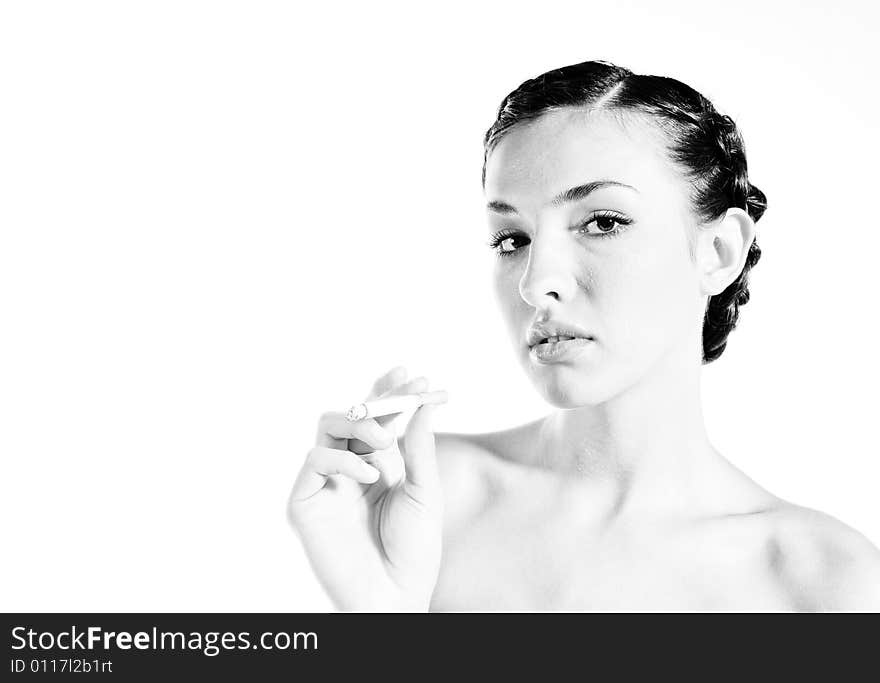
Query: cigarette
{"points": [[393, 404]]}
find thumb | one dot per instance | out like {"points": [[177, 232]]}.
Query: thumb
{"points": [[422, 480]]}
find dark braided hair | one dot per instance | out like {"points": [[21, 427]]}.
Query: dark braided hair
{"points": [[705, 145]]}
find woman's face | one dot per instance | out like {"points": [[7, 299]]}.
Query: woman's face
{"points": [[634, 291]]}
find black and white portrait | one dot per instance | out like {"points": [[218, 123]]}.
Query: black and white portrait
{"points": [[483, 307]]}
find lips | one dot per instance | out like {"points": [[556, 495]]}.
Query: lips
{"points": [[557, 338], [560, 351], [554, 331]]}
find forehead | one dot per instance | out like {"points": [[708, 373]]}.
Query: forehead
{"points": [[561, 149]]}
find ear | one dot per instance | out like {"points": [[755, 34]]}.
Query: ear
{"points": [[722, 248]]}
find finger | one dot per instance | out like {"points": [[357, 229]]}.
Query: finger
{"points": [[389, 462], [422, 481], [395, 376], [414, 386], [322, 462], [333, 426]]}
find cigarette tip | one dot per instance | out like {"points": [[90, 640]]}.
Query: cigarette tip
{"points": [[356, 413]]}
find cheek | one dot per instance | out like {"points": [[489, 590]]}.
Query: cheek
{"points": [[645, 298], [505, 280], [515, 312]]}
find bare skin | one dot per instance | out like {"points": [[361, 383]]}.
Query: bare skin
{"points": [[494, 522], [616, 500], [520, 537]]}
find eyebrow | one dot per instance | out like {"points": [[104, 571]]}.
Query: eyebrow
{"points": [[572, 194]]}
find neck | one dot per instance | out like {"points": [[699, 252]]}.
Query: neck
{"points": [[644, 449]]}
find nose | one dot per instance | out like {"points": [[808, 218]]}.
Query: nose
{"points": [[548, 276]]}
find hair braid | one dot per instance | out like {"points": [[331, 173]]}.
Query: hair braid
{"points": [[722, 310]]}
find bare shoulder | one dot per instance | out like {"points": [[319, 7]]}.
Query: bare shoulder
{"points": [[824, 563], [471, 467]]}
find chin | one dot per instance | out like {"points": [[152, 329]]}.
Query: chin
{"points": [[568, 386], [590, 382]]}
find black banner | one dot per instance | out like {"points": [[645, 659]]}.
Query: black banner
{"points": [[145, 646]]}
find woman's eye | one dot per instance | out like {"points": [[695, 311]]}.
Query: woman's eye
{"points": [[607, 225], [505, 243]]}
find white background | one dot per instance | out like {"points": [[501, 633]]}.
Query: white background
{"points": [[220, 219]]}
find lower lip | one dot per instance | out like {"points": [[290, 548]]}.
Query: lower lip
{"points": [[556, 352]]}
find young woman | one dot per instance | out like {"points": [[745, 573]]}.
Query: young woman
{"points": [[624, 223]]}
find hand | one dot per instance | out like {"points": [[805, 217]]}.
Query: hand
{"points": [[369, 517]]}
